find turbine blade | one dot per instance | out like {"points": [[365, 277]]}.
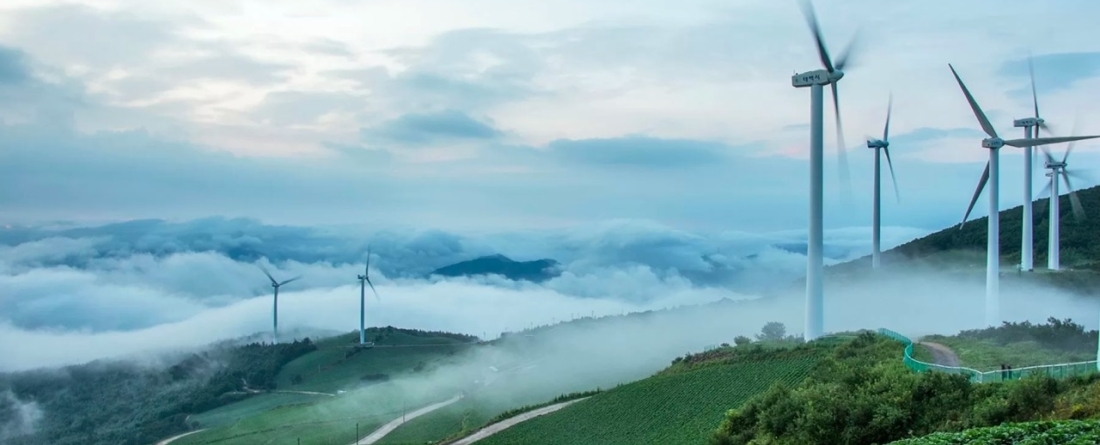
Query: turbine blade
{"points": [[1078, 211], [842, 151], [984, 121], [1034, 97], [1050, 158], [1046, 141], [1040, 205], [811, 19], [977, 192], [376, 297], [886, 129], [890, 163], [290, 280], [268, 274], [1069, 148], [849, 53]]}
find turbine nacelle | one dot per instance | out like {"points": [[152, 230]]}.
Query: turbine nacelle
{"points": [[1028, 122], [361, 277], [876, 143], [1056, 165], [993, 143], [816, 77]]}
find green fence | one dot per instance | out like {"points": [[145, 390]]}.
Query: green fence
{"points": [[1058, 371]]}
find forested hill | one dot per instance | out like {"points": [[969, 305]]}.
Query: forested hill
{"points": [[536, 271], [1080, 241]]}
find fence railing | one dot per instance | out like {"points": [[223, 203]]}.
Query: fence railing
{"points": [[1059, 370]]}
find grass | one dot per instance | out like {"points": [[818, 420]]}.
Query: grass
{"points": [[678, 406], [987, 354], [329, 421], [1072, 432], [336, 365], [249, 407]]}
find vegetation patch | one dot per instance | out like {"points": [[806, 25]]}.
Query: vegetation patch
{"points": [[677, 406], [1072, 432], [863, 394], [1019, 345]]}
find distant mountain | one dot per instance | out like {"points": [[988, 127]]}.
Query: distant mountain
{"points": [[536, 271]]}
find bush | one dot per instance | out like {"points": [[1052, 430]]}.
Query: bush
{"points": [[1063, 432], [863, 394]]}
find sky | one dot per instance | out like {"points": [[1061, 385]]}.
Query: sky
{"points": [[489, 114], [657, 149]]}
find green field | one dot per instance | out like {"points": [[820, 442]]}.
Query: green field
{"points": [[987, 355], [338, 365], [681, 405]]}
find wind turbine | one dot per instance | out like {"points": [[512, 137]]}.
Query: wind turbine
{"points": [[993, 239], [1029, 124], [1055, 169], [816, 80], [364, 280], [880, 146], [275, 308]]}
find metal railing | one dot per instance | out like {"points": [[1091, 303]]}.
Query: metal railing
{"points": [[1059, 370]]}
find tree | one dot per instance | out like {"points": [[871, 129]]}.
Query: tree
{"points": [[741, 340], [773, 330]]}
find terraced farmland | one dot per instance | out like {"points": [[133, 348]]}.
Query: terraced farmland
{"points": [[675, 407]]}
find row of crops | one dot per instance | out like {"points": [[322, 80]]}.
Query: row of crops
{"points": [[1070, 432], [677, 408]]}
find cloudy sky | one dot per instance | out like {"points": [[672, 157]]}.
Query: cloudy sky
{"points": [[509, 113], [657, 149]]}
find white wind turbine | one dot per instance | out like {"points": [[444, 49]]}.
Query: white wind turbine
{"points": [[1057, 169], [275, 302], [1029, 124], [993, 143], [816, 80], [364, 280], [880, 146]]}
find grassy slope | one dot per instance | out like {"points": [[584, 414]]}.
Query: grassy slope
{"points": [[319, 419], [987, 355], [950, 247], [678, 406]]}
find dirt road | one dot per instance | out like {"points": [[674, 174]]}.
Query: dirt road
{"points": [[506, 423], [382, 431], [174, 438], [941, 355]]}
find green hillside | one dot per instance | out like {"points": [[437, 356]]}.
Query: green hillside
{"points": [[680, 405], [1018, 345], [352, 385], [1079, 246]]}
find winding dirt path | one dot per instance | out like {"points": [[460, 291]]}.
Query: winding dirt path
{"points": [[509, 422], [941, 355], [382, 431], [174, 438]]}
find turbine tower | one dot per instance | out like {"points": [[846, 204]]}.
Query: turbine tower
{"points": [[364, 280], [880, 146], [1054, 170], [275, 307], [816, 80], [1031, 126], [993, 143]]}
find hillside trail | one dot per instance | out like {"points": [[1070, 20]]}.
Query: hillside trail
{"points": [[511, 421], [382, 431], [941, 355], [174, 438]]}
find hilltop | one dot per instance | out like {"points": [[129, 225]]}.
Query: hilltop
{"points": [[956, 250], [536, 271]]}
